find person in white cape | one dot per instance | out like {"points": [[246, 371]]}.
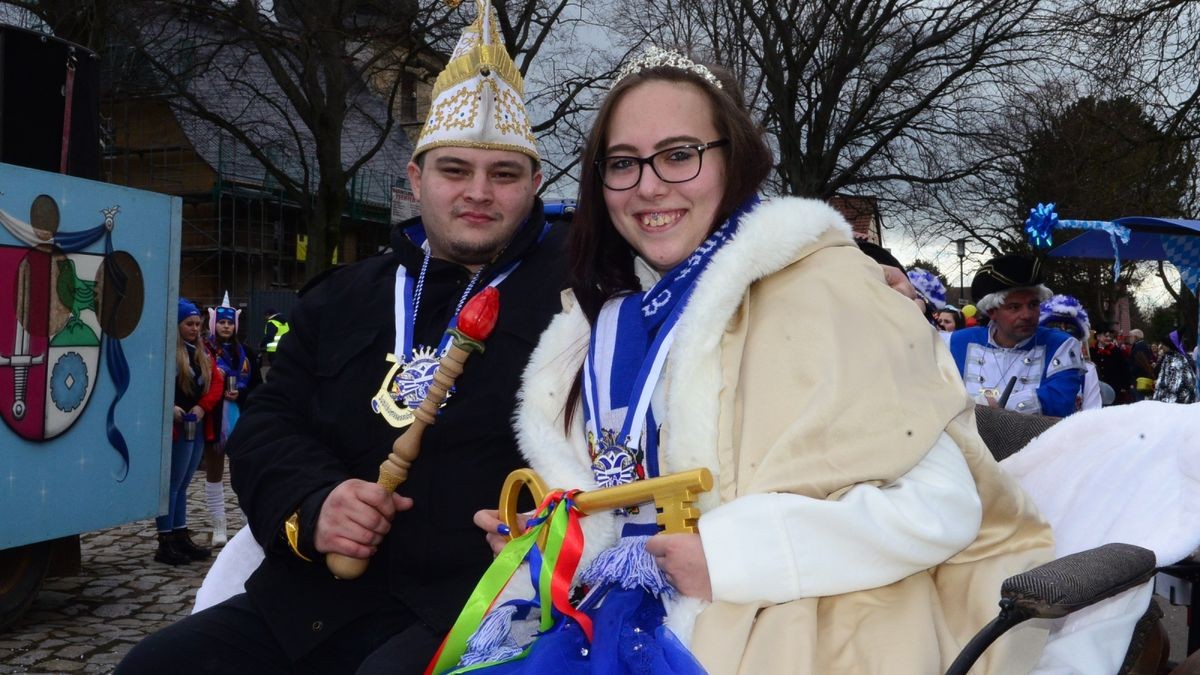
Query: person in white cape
{"points": [[858, 523]]}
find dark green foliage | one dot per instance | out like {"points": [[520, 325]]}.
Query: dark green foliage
{"points": [[1101, 160]]}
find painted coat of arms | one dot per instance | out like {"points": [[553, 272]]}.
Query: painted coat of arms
{"points": [[67, 307], [88, 281], [49, 338]]}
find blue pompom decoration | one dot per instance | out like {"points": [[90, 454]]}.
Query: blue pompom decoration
{"points": [[929, 286], [1066, 308], [629, 565], [1040, 225]]}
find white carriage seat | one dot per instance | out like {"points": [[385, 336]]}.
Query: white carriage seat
{"points": [[1128, 474]]}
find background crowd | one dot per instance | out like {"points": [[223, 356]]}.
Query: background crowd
{"points": [[215, 372], [1128, 366]]}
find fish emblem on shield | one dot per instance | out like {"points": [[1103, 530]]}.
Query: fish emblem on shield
{"points": [[49, 338]]}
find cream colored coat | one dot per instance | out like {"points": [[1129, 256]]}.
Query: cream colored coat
{"points": [[796, 369]]}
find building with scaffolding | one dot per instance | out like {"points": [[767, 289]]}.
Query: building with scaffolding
{"points": [[242, 233]]}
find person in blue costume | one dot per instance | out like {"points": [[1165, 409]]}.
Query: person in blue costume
{"points": [[198, 386], [236, 362], [1066, 313], [1013, 362]]}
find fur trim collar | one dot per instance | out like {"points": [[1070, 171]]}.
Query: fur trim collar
{"points": [[773, 236]]}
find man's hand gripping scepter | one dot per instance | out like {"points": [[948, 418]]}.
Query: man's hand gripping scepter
{"points": [[475, 324]]}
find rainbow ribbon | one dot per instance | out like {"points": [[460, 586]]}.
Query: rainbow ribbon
{"points": [[559, 519]]}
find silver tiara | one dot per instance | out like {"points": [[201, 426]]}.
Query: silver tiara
{"points": [[654, 57]]}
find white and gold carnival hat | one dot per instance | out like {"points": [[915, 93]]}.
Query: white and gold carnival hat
{"points": [[479, 99]]}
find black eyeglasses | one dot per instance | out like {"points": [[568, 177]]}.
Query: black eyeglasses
{"points": [[672, 165]]}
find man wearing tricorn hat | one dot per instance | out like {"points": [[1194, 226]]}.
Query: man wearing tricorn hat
{"points": [[359, 355], [1012, 362]]}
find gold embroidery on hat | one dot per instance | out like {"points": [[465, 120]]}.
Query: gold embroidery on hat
{"points": [[509, 113], [460, 115], [463, 68], [454, 112], [512, 147]]}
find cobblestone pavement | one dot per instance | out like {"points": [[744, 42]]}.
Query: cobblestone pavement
{"points": [[86, 623]]}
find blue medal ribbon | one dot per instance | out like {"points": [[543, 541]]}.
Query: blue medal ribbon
{"points": [[408, 293]]}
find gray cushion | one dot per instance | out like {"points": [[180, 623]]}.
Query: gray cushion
{"points": [[1005, 432]]}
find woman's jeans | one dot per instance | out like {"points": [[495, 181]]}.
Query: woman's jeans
{"points": [[185, 457]]}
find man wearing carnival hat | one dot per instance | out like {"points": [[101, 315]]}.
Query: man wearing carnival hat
{"points": [[1013, 362], [360, 353]]}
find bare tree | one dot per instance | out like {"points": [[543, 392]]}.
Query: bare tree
{"points": [[862, 95], [284, 80], [1149, 49], [567, 61], [84, 22]]}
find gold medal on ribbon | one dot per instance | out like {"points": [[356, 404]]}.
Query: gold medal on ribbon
{"points": [[385, 402], [405, 386]]}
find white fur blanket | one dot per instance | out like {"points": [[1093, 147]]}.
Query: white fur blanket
{"points": [[1127, 474], [229, 572]]}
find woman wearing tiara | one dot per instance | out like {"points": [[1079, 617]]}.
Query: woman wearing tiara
{"points": [[857, 522]]}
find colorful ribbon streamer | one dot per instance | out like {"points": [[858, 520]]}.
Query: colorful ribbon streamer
{"points": [[559, 520]]}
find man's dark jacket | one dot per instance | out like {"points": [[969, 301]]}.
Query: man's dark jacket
{"points": [[310, 427]]}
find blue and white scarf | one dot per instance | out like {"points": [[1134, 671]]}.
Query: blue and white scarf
{"points": [[629, 345]]}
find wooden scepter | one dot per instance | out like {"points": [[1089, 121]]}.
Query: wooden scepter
{"points": [[475, 324]]}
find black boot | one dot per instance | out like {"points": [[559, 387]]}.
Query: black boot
{"points": [[183, 542], [168, 551]]}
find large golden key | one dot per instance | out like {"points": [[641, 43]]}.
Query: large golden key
{"points": [[673, 496]]}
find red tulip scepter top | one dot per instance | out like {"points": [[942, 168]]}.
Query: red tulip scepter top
{"points": [[475, 324], [477, 319]]}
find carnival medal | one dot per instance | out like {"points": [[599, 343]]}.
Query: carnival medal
{"points": [[408, 381], [615, 463], [405, 386]]}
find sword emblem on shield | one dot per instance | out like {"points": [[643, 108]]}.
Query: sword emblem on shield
{"points": [[20, 358]]}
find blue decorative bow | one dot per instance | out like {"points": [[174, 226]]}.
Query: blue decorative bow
{"points": [[1042, 222], [1040, 225]]}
